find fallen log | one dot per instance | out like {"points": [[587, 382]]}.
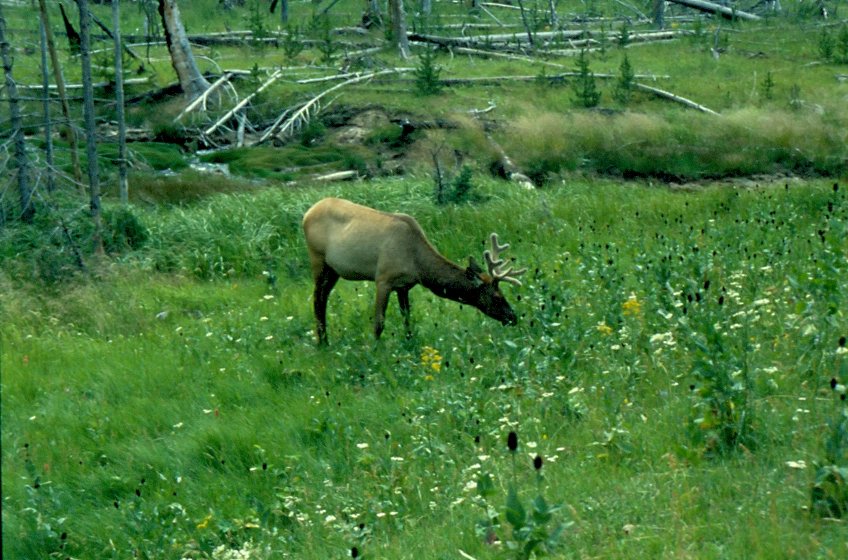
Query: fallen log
{"points": [[723, 11], [676, 98]]}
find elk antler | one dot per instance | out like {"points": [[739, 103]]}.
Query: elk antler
{"points": [[497, 265]]}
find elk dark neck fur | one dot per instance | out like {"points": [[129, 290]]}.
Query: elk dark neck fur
{"points": [[445, 278]]}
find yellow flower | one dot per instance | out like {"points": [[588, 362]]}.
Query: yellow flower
{"points": [[603, 328], [203, 524], [431, 359], [632, 306]]}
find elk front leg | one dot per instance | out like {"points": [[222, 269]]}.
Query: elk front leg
{"points": [[381, 303], [405, 310]]}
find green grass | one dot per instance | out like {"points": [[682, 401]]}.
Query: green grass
{"points": [[795, 126], [176, 406]]}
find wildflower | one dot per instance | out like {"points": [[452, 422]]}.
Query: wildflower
{"points": [[603, 328], [632, 306], [203, 524], [431, 359]]}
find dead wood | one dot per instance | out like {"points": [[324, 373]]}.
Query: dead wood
{"points": [[676, 98], [302, 115], [723, 11], [273, 78]]}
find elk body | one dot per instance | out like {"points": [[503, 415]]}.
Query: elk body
{"points": [[354, 242]]}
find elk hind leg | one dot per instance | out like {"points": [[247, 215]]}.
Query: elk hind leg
{"points": [[405, 310], [325, 280]]}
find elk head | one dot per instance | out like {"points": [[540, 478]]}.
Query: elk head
{"points": [[488, 296]]}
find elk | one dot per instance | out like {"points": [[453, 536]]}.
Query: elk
{"points": [[354, 242]]}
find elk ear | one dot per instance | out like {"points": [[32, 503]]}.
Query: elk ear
{"points": [[474, 267], [474, 271]]}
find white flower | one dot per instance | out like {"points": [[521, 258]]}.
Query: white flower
{"points": [[362, 445]]}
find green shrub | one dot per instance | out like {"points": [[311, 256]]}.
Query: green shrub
{"points": [[586, 93], [427, 74]]}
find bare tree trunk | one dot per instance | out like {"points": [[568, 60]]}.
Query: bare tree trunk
{"points": [[60, 87], [45, 98], [399, 27], [27, 209], [284, 12], [191, 80], [123, 187], [91, 139], [659, 14], [554, 16], [526, 24]]}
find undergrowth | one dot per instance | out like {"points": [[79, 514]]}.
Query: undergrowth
{"points": [[675, 378]]}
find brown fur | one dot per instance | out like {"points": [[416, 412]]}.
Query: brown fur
{"points": [[354, 242]]}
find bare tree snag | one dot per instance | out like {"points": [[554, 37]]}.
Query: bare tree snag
{"points": [[73, 36], [191, 80], [45, 107], [70, 131], [399, 27], [91, 138], [723, 11], [27, 209], [123, 186]]}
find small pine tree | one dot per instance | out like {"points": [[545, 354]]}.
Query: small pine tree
{"points": [[427, 74], [624, 86], [624, 35], [768, 86], [585, 90], [827, 45], [842, 44]]}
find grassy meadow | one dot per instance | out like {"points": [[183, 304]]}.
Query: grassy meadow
{"points": [[669, 385], [675, 386]]}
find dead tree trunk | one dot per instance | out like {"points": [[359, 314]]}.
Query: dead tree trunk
{"points": [[399, 27], [123, 188], [659, 14], [723, 11], [70, 131], [191, 80], [27, 209], [45, 107], [91, 139]]}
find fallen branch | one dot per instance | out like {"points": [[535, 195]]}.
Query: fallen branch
{"points": [[303, 114], [276, 75], [202, 98]]}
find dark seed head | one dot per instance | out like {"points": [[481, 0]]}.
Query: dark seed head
{"points": [[833, 383], [537, 462], [842, 342], [354, 552], [512, 441]]}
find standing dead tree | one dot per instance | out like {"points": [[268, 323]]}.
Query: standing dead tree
{"points": [[91, 138], [21, 162], [70, 131], [191, 80], [123, 185]]}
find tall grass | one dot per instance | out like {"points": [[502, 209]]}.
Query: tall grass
{"points": [[187, 413], [685, 146]]}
